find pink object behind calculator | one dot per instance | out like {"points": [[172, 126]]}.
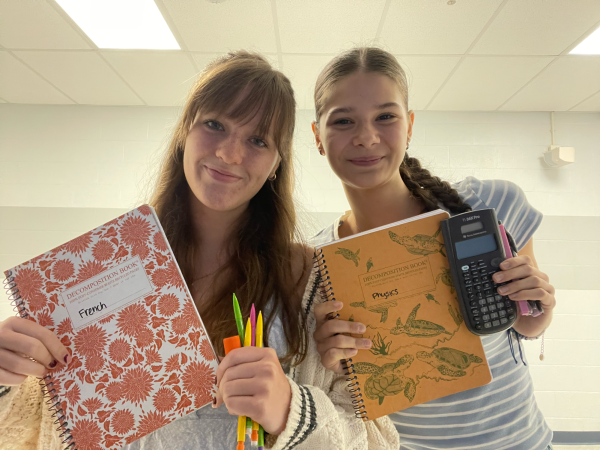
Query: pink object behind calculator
{"points": [[523, 305]]}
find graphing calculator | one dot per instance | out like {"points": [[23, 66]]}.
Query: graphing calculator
{"points": [[475, 250]]}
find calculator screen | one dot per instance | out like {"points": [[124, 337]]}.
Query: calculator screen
{"points": [[476, 246]]}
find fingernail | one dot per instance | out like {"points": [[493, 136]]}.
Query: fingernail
{"points": [[361, 328], [214, 405], [66, 359], [366, 343], [53, 364], [505, 265], [338, 305], [215, 380], [498, 277], [502, 289]]}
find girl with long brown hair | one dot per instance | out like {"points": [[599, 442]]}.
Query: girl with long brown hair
{"points": [[224, 199], [363, 127]]}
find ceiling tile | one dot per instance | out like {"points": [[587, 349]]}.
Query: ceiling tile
{"points": [[218, 27], [484, 83], [83, 76], [314, 26], [425, 75], [591, 104], [565, 83], [19, 84], [36, 24], [302, 70], [538, 27], [433, 26], [161, 78]]}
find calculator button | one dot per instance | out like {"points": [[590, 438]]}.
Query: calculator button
{"points": [[485, 278], [471, 296], [475, 273], [487, 325], [494, 315], [496, 323], [465, 268], [486, 285], [511, 317], [498, 297], [492, 307], [500, 305], [483, 271], [478, 327], [508, 303], [475, 280], [479, 295], [487, 292], [502, 313], [467, 276], [503, 321], [469, 289], [510, 311], [468, 282], [481, 263], [482, 302], [475, 313], [490, 300], [484, 309], [473, 303], [478, 287]]}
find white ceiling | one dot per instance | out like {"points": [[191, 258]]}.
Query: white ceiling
{"points": [[477, 55]]}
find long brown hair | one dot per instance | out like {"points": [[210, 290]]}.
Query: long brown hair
{"points": [[421, 183], [259, 267]]}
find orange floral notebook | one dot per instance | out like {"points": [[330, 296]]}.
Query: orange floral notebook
{"points": [[396, 280], [141, 357]]}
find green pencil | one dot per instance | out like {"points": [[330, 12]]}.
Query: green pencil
{"points": [[238, 318]]}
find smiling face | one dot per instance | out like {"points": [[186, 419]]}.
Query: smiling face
{"points": [[226, 162], [364, 129]]}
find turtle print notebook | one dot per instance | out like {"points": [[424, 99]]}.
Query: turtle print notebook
{"points": [[116, 299], [396, 280]]}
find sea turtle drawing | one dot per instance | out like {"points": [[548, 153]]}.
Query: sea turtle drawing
{"points": [[446, 278], [418, 328], [420, 244], [449, 361], [369, 264], [388, 379], [382, 308], [349, 255]]}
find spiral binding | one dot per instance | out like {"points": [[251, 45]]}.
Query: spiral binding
{"points": [[326, 290], [46, 383]]}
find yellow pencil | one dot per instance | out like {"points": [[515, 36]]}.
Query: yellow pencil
{"points": [[241, 429], [259, 343]]}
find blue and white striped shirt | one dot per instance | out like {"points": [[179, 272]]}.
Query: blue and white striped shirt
{"points": [[502, 414]]}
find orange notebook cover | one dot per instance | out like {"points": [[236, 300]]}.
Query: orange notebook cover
{"points": [[396, 280], [116, 298]]}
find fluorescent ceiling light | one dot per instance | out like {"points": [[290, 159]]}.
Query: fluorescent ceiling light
{"points": [[589, 46], [134, 24]]}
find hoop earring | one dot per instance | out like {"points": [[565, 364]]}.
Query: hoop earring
{"points": [[272, 177]]}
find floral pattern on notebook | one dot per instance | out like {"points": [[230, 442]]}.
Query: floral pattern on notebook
{"points": [[136, 368]]}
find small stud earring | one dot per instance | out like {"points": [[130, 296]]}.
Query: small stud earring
{"points": [[272, 177]]}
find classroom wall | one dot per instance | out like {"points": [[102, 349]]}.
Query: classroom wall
{"points": [[67, 169]]}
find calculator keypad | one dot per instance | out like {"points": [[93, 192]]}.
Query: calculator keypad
{"points": [[489, 309]]}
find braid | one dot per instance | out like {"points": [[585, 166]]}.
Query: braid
{"points": [[430, 189]]}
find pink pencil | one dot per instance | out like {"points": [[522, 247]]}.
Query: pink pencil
{"points": [[253, 322]]}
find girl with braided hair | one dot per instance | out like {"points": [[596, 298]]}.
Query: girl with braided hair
{"points": [[363, 127]]}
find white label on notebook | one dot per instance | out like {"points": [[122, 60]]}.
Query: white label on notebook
{"points": [[99, 296]]}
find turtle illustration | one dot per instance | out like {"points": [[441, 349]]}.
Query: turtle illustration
{"points": [[420, 244], [446, 278], [369, 264], [431, 298], [449, 361], [349, 255], [388, 379], [382, 308], [418, 328]]}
